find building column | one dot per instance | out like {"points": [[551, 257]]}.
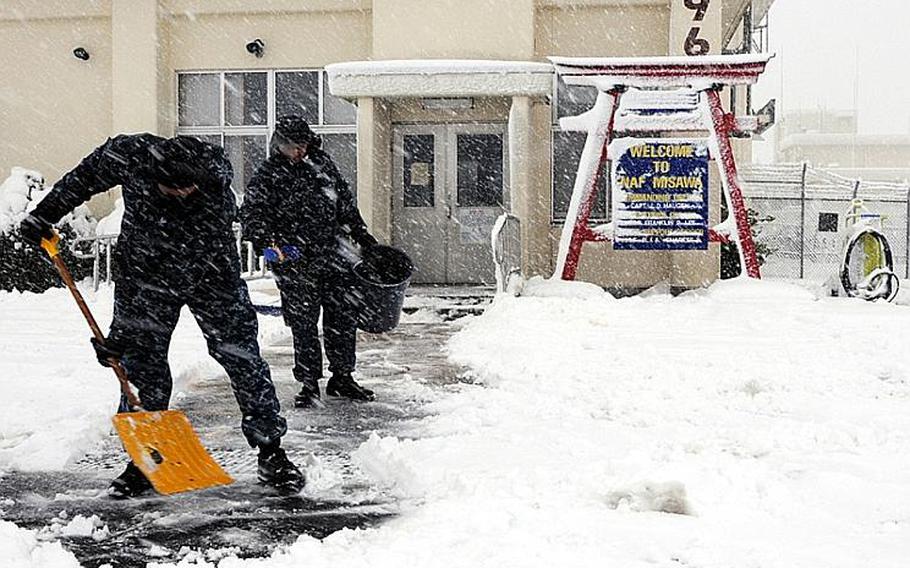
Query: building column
{"points": [[134, 66], [374, 167], [528, 158], [697, 31]]}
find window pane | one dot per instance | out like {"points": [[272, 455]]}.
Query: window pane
{"points": [[567, 148], [198, 100], [210, 138], [245, 99], [343, 150], [827, 222], [297, 93], [419, 184], [246, 153], [572, 100], [479, 170], [335, 110]]}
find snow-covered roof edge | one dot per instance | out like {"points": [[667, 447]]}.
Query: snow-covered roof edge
{"points": [[439, 78], [435, 67], [675, 61]]}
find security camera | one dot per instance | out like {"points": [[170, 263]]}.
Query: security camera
{"points": [[256, 47], [81, 53]]}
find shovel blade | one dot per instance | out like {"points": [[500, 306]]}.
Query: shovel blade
{"points": [[165, 447]]}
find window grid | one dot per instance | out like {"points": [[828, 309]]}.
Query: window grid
{"points": [[222, 130]]}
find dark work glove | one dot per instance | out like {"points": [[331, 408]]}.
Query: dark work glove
{"points": [[367, 240], [34, 229], [107, 350]]}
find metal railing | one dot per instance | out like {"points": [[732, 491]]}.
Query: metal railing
{"points": [[99, 250], [98, 247], [252, 265], [506, 241]]}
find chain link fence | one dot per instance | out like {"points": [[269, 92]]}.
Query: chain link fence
{"points": [[801, 213]]}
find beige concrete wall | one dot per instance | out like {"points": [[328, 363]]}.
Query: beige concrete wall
{"points": [[494, 109], [601, 31], [134, 65], [374, 166], [292, 40], [453, 29], [54, 108]]}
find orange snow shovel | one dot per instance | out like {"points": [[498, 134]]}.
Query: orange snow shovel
{"points": [[162, 444]]}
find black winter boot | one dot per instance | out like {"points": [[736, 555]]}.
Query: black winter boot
{"points": [[276, 470], [344, 385], [307, 397], [131, 483]]}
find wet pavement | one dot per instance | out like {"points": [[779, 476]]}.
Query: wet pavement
{"points": [[245, 518]]}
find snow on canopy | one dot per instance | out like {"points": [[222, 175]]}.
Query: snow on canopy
{"points": [[439, 78], [434, 67]]}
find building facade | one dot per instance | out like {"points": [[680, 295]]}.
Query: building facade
{"points": [[830, 139], [457, 126]]}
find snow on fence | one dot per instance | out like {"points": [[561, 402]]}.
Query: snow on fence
{"points": [[808, 207]]}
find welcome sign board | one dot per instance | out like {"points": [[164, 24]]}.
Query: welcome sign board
{"points": [[660, 194]]}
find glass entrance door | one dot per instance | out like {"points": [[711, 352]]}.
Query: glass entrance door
{"points": [[450, 185]]}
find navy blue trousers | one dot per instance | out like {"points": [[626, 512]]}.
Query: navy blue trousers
{"points": [[145, 316], [308, 287]]}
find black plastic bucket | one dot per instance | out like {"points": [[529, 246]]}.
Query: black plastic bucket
{"points": [[380, 280]]}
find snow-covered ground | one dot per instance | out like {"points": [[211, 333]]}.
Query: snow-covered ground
{"points": [[751, 424]]}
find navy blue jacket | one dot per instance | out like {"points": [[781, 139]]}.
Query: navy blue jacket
{"points": [[166, 241], [308, 205]]}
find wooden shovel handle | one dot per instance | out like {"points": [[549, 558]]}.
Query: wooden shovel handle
{"points": [[51, 246]]}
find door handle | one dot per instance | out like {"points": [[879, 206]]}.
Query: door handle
{"points": [[448, 211]]}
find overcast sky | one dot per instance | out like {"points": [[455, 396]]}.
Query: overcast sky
{"points": [[823, 45]]}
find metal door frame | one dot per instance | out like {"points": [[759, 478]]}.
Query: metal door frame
{"points": [[445, 178]]}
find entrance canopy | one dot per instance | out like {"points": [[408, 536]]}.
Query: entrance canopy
{"points": [[440, 78]]}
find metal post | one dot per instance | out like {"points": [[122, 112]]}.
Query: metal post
{"points": [[96, 268], [802, 223], [108, 246], [907, 240]]}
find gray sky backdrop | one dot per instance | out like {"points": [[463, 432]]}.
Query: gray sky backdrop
{"points": [[822, 46]]}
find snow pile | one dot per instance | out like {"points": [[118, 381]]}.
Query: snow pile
{"points": [[48, 367], [110, 225], [752, 423], [79, 526], [749, 424], [20, 189], [20, 548], [19, 194]]}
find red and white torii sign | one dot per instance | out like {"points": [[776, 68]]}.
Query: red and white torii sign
{"points": [[702, 78]]}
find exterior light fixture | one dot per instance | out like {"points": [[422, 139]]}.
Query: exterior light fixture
{"points": [[256, 47], [81, 53]]}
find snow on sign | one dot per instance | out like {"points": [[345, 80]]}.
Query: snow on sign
{"points": [[660, 190]]}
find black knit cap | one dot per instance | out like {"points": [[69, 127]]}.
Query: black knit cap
{"points": [[176, 162], [294, 128]]}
